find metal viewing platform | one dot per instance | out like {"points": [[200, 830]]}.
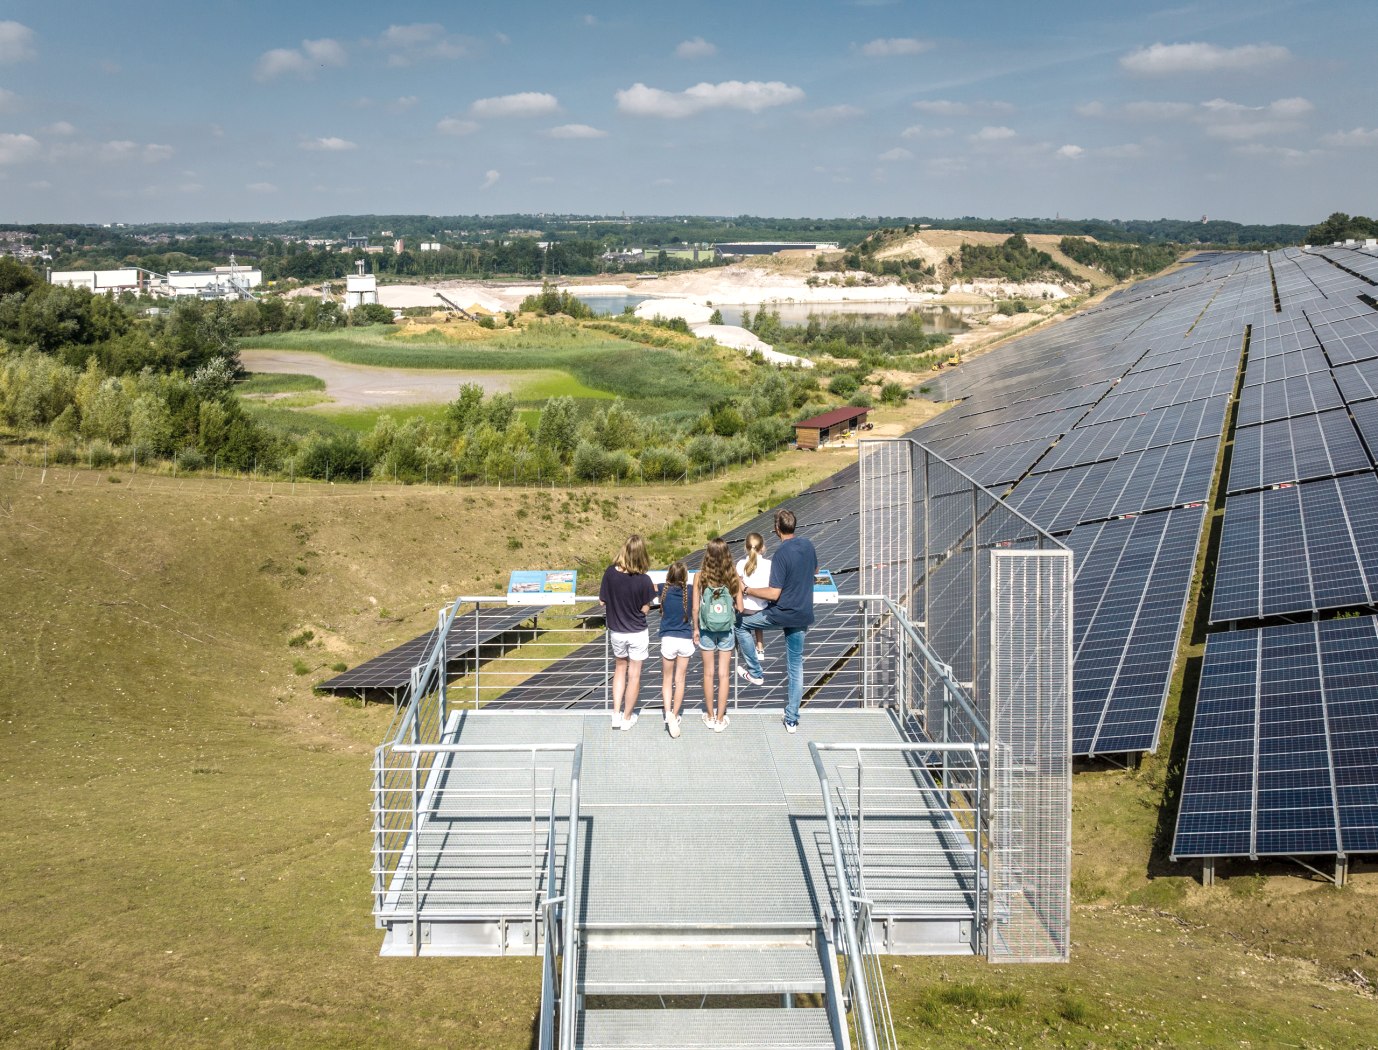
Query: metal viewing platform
{"points": [[737, 888]]}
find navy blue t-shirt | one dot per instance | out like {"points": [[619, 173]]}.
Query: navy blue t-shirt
{"points": [[673, 623], [623, 594], [792, 570]]}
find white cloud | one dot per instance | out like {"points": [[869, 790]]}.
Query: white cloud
{"points": [[61, 128], [1070, 152], [1158, 110], [752, 96], [898, 153], [16, 43], [329, 144], [1124, 151], [302, 61], [576, 131], [261, 187], [456, 126], [942, 107], [590, 20], [993, 134], [1091, 109], [522, 104], [1353, 137], [490, 179], [698, 47], [404, 102], [542, 180], [1224, 119], [888, 47], [1284, 155], [411, 43], [9, 101], [155, 152], [118, 149], [1175, 59], [16, 149], [40, 184], [835, 114], [919, 131]]}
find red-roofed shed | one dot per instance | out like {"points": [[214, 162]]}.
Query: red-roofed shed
{"points": [[814, 432]]}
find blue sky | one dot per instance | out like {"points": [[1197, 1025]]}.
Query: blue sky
{"points": [[1256, 111]]}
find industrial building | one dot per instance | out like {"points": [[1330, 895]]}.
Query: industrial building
{"points": [[772, 247]]}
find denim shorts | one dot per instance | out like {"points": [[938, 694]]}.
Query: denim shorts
{"points": [[721, 641]]}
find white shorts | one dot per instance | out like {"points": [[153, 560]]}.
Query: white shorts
{"points": [[672, 648], [633, 646]]}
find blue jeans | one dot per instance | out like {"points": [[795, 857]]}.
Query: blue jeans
{"points": [[794, 657]]}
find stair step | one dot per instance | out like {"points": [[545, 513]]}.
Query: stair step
{"points": [[700, 971], [798, 1029]]}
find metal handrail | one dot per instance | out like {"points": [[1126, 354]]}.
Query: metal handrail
{"points": [[547, 1033], [861, 1001], [568, 1005], [854, 904]]}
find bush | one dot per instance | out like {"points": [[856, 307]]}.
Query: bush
{"points": [[663, 464], [843, 385], [101, 454], [894, 393], [370, 313], [190, 459], [861, 399]]}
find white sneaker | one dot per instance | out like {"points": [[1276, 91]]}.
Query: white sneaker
{"points": [[627, 723], [616, 721], [747, 676], [674, 728], [760, 652], [707, 720], [791, 727], [718, 727]]}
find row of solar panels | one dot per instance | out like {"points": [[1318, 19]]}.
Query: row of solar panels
{"points": [[1283, 757]]}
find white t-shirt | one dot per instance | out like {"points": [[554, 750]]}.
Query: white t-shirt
{"points": [[759, 578]]}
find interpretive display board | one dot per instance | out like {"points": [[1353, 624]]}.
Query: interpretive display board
{"points": [[542, 587], [824, 588]]}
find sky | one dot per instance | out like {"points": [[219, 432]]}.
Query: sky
{"points": [[1258, 111]]}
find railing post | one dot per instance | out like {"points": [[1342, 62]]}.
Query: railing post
{"points": [[443, 670], [478, 656], [982, 934], [607, 671], [416, 851], [535, 880]]}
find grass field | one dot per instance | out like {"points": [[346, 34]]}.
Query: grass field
{"points": [[187, 835], [651, 380]]}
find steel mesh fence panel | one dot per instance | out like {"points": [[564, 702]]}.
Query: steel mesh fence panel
{"points": [[1030, 741]]}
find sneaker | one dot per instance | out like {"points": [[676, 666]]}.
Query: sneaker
{"points": [[616, 721], [674, 728], [718, 727], [791, 727], [627, 723], [747, 676], [707, 720], [760, 652]]}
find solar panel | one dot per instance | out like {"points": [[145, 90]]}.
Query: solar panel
{"points": [[1358, 382], [1298, 396], [1350, 339], [1284, 366], [1163, 426], [1297, 549], [1283, 758], [391, 671], [1136, 482], [1365, 415], [1132, 581], [1118, 406], [1297, 449]]}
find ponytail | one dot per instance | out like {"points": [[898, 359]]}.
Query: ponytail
{"points": [[755, 545]]}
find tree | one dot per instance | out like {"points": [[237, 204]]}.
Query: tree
{"points": [[715, 317], [558, 426]]}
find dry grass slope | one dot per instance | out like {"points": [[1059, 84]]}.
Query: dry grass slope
{"points": [[186, 835]]}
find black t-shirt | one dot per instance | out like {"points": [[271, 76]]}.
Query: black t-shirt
{"points": [[623, 594]]}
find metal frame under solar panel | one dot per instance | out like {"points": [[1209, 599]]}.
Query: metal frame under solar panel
{"points": [[1132, 581], [1297, 549], [1301, 395], [1297, 449], [1282, 758], [997, 467], [1351, 339], [1162, 426]]}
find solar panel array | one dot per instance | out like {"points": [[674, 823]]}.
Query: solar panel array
{"points": [[1283, 756]]}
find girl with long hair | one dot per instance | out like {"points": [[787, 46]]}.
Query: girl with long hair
{"points": [[676, 642], [754, 570], [626, 593], [717, 601]]}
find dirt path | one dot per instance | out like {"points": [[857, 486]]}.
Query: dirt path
{"points": [[363, 386]]}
